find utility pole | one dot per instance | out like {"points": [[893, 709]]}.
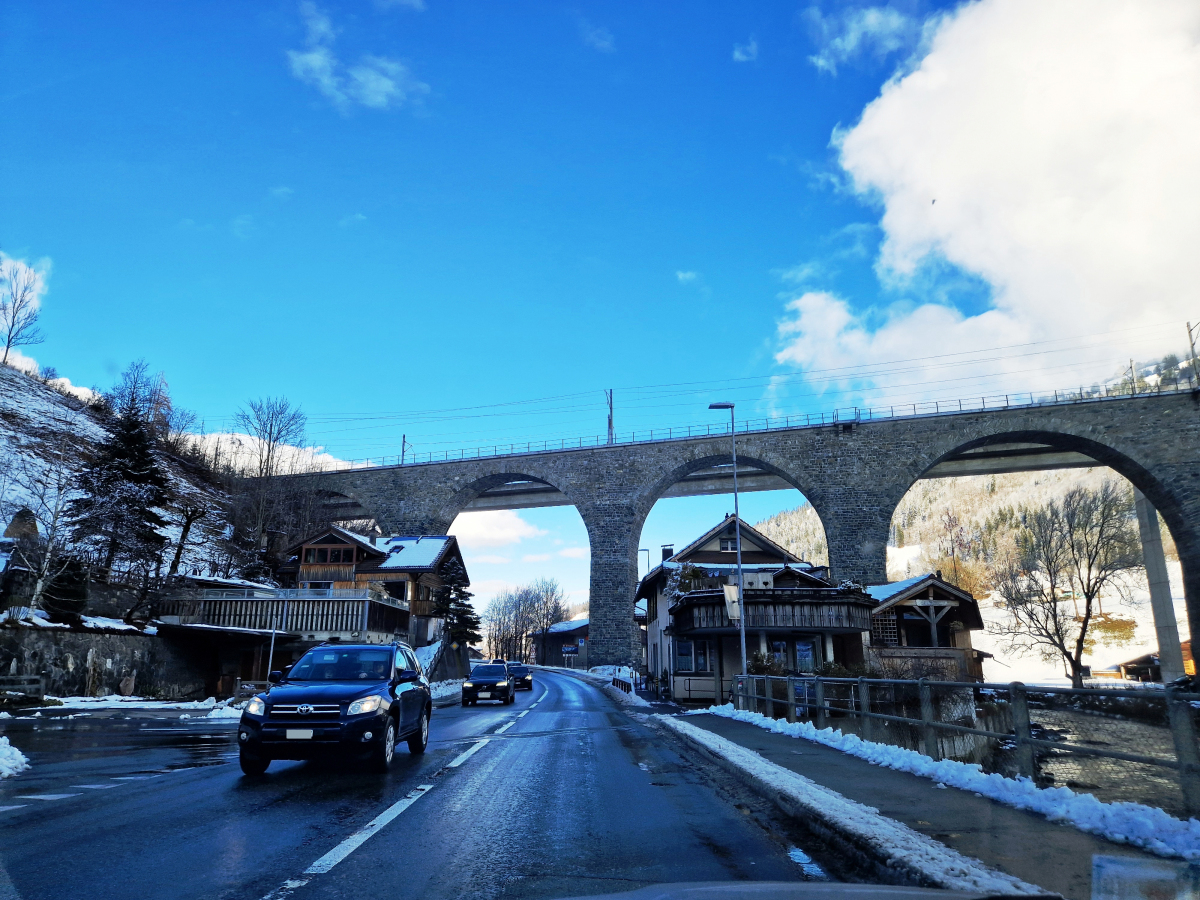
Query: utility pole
{"points": [[737, 531], [609, 396], [404, 445], [1132, 378], [1192, 344]]}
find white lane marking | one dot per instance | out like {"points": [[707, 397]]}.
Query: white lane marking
{"points": [[133, 777], [465, 755], [505, 727], [18, 806], [45, 796], [96, 787], [523, 715], [356, 840]]}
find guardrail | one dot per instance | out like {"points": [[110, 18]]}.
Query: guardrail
{"points": [[29, 685], [844, 415], [1051, 735]]}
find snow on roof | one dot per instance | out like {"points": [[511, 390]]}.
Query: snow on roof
{"points": [[881, 593], [412, 552], [573, 625], [230, 582]]}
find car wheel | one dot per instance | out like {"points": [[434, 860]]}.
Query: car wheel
{"points": [[385, 752], [466, 702], [419, 739], [252, 765]]}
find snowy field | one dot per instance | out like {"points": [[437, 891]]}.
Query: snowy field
{"points": [[1012, 665]]}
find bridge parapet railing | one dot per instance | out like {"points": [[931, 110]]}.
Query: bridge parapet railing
{"points": [[1136, 744], [840, 416]]}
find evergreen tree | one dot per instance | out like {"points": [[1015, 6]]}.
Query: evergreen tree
{"points": [[121, 493], [452, 604]]}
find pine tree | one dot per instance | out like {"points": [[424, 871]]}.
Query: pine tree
{"points": [[121, 492], [452, 604]]}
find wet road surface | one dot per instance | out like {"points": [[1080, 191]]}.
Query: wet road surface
{"points": [[561, 794]]}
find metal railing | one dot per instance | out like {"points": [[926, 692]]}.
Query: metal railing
{"points": [[844, 415], [1052, 735]]}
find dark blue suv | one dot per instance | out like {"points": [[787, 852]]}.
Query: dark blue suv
{"points": [[356, 700]]}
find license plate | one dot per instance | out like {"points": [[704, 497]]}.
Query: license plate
{"points": [[299, 734], [485, 695]]}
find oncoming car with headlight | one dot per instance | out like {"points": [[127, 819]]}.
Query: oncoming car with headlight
{"points": [[356, 700], [490, 681]]}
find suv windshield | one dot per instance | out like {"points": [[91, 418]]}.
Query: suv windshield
{"points": [[518, 670], [333, 664], [487, 671]]}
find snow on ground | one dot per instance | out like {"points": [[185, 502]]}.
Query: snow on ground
{"points": [[426, 655], [444, 690], [229, 711], [12, 760], [891, 840], [1125, 823], [116, 701]]}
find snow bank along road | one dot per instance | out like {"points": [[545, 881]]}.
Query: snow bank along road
{"points": [[562, 794]]}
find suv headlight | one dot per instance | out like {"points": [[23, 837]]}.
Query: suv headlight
{"points": [[468, 684], [256, 707], [501, 684], [365, 705]]}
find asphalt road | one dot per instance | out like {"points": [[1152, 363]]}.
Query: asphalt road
{"points": [[562, 794]]}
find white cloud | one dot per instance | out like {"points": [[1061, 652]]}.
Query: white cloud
{"points": [[597, 37], [243, 227], [241, 452], [377, 82], [418, 5], [574, 552], [687, 277], [535, 557], [874, 30], [1059, 141], [348, 221], [490, 560], [492, 528], [747, 52], [283, 192]]}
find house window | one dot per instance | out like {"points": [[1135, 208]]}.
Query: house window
{"points": [[319, 585], [729, 545], [310, 555], [693, 656], [806, 655], [779, 652], [322, 555]]}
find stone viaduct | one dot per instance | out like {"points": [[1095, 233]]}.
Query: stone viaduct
{"points": [[854, 474]]}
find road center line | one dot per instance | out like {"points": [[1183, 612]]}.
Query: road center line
{"points": [[356, 840], [523, 715], [465, 755], [505, 727]]}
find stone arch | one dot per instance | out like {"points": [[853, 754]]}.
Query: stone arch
{"points": [[462, 495], [1170, 488]]}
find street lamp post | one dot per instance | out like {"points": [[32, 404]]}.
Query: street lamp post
{"points": [[737, 531]]}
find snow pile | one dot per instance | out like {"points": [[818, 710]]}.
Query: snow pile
{"points": [[12, 760], [889, 840], [444, 690], [1125, 823], [426, 655], [116, 701], [224, 712]]}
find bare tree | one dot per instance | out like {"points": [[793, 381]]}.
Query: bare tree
{"points": [[1068, 552], [275, 425], [19, 306], [549, 608], [48, 490], [191, 510]]}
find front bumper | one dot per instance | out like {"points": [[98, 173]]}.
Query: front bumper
{"points": [[495, 693], [268, 738]]}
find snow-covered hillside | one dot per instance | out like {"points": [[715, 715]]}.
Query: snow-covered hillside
{"points": [[43, 432]]}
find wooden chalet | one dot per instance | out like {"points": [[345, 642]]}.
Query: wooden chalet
{"points": [[921, 628], [794, 614]]}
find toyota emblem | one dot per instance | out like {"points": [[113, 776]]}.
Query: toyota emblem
{"points": [[304, 709]]}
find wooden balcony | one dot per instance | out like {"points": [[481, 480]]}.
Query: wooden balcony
{"points": [[346, 617], [806, 615]]}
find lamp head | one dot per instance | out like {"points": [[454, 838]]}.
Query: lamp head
{"points": [[720, 406]]}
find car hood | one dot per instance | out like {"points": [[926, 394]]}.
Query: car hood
{"points": [[325, 691], [487, 679]]}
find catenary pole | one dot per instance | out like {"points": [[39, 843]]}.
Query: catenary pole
{"points": [[737, 531]]}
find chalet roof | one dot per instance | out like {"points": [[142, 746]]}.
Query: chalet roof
{"points": [[212, 581], [421, 553], [343, 536], [567, 627], [790, 560], [898, 592]]}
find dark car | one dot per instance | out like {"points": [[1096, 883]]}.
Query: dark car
{"points": [[353, 700], [489, 681], [522, 677]]}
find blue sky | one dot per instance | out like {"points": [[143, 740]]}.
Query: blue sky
{"points": [[378, 208]]}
